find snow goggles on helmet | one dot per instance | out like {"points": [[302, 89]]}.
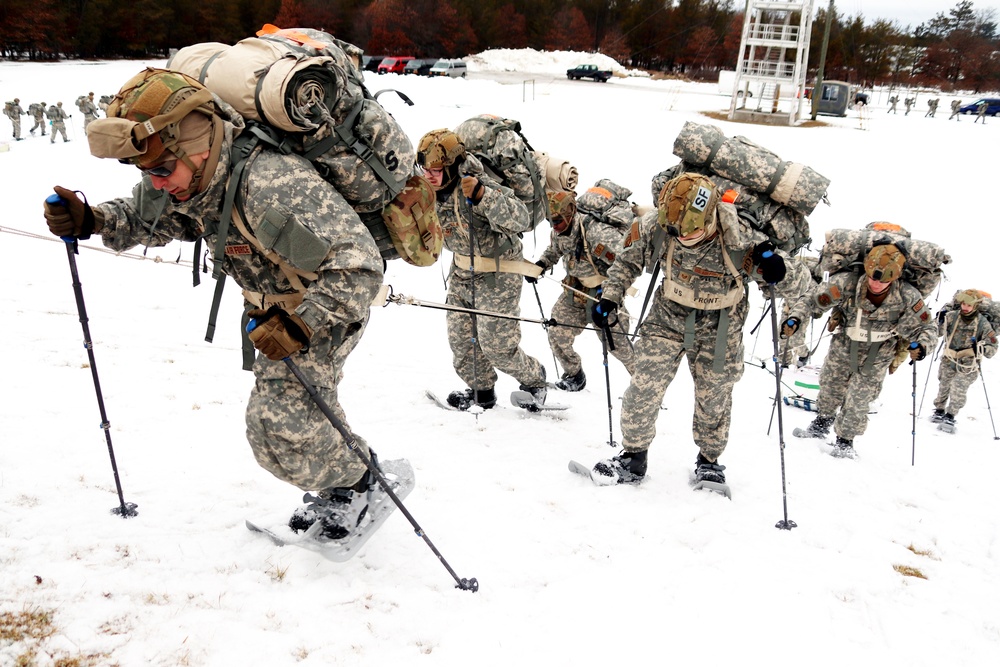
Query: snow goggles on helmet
{"points": [[163, 170]]}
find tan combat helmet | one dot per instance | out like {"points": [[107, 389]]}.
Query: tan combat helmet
{"points": [[439, 149], [885, 263], [562, 209], [687, 204], [973, 297]]}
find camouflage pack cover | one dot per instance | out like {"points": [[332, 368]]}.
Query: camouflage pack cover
{"points": [[785, 227], [507, 155], [304, 82], [607, 202], [846, 248], [413, 225], [737, 158]]}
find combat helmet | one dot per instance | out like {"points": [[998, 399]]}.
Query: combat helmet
{"points": [[972, 297], [885, 263], [687, 205], [562, 209], [439, 149]]}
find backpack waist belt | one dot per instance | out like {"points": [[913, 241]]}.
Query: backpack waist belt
{"points": [[480, 264], [289, 302], [959, 354], [863, 334]]}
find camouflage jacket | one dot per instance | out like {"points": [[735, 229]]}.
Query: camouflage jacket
{"points": [[963, 333], [57, 115], [702, 269], [901, 315], [288, 206], [588, 249], [15, 111], [495, 223]]}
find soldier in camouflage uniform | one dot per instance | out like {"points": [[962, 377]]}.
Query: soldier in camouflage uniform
{"points": [[587, 247], [482, 221], [893, 101], [909, 102], [956, 109], [876, 309], [38, 113], [14, 112], [932, 106], [57, 117], [969, 337], [981, 112], [309, 227], [708, 257], [89, 110]]}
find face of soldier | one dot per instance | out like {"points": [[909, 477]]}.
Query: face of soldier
{"points": [[876, 286], [967, 308], [435, 177], [180, 177]]}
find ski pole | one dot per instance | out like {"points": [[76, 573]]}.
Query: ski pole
{"points": [[464, 584], [985, 393], [541, 311], [913, 432], [605, 343], [785, 523], [124, 509]]}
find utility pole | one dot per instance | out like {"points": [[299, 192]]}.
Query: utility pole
{"points": [[818, 88]]}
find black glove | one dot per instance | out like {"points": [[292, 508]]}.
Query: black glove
{"points": [[941, 315], [917, 351], [276, 333], [789, 327], [604, 313], [533, 279], [71, 216], [769, 263]]}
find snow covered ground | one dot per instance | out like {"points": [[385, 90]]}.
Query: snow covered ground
{"points": [[570, 574]]}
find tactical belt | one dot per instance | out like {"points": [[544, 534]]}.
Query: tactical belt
{"points": [[482, 264], [865, 334]]}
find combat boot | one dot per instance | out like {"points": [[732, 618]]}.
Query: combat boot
{"points": [[463, 400], [707, 471], [626, 468], [818, 428], [339, 509], [572, 382], [843, 449], [937, 416]]}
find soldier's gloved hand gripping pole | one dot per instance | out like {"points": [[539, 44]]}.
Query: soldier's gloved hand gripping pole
{"points": [[471, 584], [124, 509]]}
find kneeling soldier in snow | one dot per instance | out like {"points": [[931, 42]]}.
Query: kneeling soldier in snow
{"points": [[313, 287], [482, 222], [970, 337], [708, 257], [875, 310]]}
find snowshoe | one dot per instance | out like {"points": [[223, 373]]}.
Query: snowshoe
{"points": [[843, 449], [338, 510], [532, 404], [625, 468], [463, 399], [709, 475], [947, 423], [937, 416], [574, 382]]}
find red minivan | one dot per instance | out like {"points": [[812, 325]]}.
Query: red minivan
{"points": [[394, 64]]}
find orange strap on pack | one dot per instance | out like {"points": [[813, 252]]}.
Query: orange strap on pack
{"points": [[729, 196], [292, 35]]}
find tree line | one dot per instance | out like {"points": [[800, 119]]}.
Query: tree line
{"points": [[958, 48]]}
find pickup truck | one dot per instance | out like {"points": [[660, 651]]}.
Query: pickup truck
{"points": [[589, 71]]}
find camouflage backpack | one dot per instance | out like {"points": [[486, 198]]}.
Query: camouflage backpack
{"points": [[300, 90], [79, 102], [35, 106], [507, 156], [8, 109], [607, 203], [845, 250]]}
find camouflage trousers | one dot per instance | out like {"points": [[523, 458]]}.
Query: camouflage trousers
{"points": [[58, 128], [16, 122], [850, 392], [290, 437], [39, 123], [498, 340], [953, 385], [658, 354], [571, 314]]}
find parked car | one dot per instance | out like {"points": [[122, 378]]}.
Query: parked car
{"points": [[992, 108], [419, 67], [588, 72], [452, 68], [393, 64], [371, 63]]}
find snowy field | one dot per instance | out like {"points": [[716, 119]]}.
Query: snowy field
{"points": [[570, 574]]}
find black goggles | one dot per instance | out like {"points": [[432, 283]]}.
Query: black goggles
{"points": [[163, 170]]}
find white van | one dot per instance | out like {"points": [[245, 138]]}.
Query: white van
{"points": [[452, 68]]}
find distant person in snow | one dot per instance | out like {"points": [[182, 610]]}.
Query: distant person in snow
{"points": [[89, 110], [587, 246], [981, 112], [932, 106], [57, 119], [308, 293], [14, 111], [969, 338], [708, 255], [482, 224], [909, 102], [877, 308], [892, 104], [956, 110], [38, 114]]}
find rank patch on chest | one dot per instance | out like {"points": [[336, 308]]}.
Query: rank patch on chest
{"points": [[238, 249]]}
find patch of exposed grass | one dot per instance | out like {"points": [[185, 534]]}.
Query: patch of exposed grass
{"points": [[923, 552], [908, 571], [31, 624]]}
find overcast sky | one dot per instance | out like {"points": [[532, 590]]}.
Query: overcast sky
{"points": [[905, 12]]}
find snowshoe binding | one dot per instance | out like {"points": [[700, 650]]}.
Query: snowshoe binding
{"points": [[937, 416], [709, 475], [464, 399], [843, 449], [947, 423], [818, 428], [574, 382], [625, 468]]}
